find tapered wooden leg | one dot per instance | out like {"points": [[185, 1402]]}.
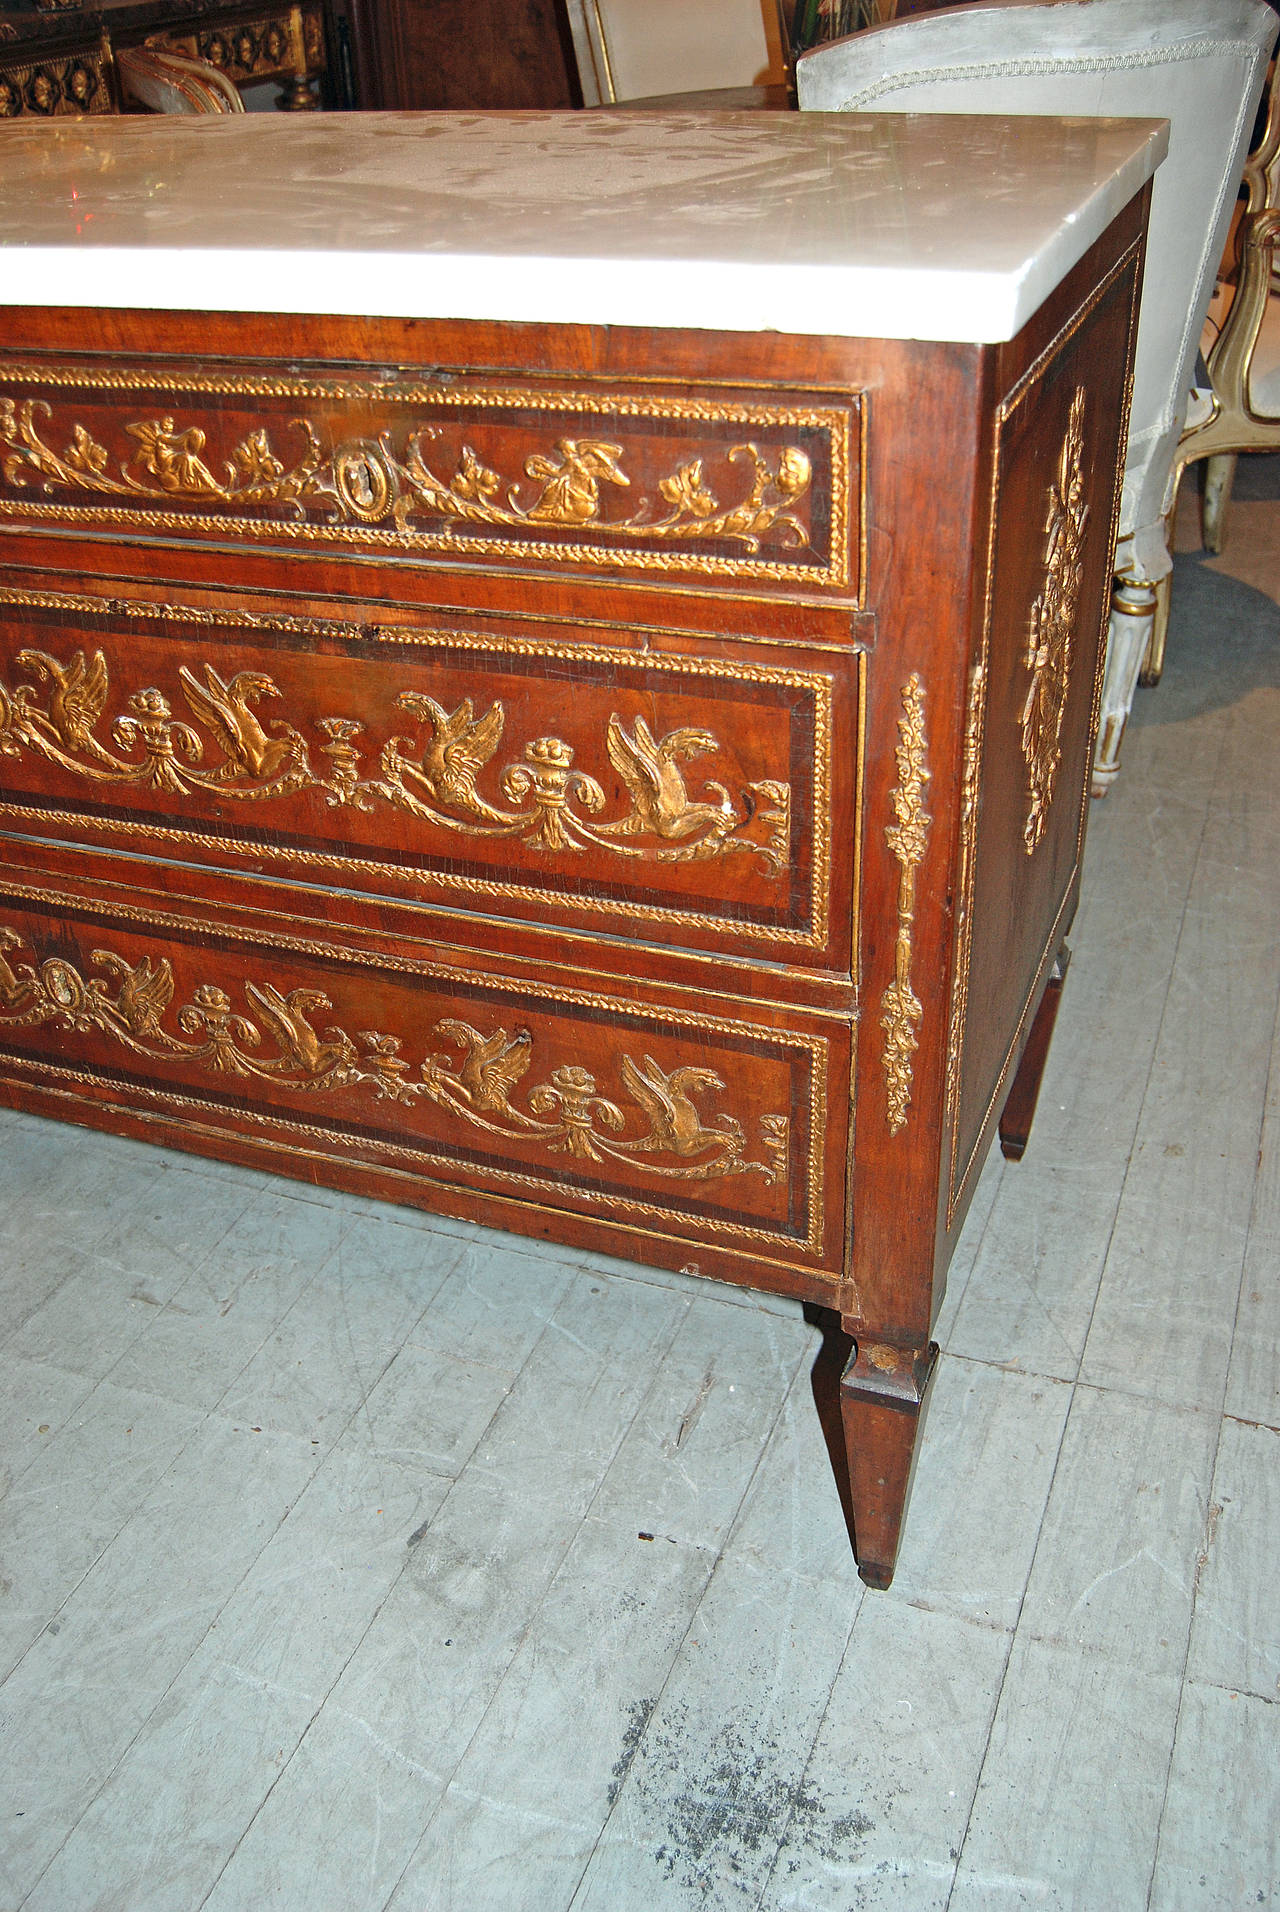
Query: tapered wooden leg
{"points": [[883, 1394], [1024, 1091]]}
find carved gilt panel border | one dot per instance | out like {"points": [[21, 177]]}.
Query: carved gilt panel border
{"points": [[371, 483], [810, 1048], [815, 686]]}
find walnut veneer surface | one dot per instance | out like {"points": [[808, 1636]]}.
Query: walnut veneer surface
{"points": [[624, 785]]}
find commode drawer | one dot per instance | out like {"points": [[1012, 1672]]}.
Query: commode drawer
{"points": [[692, 1122], [613, 783], [710, 486]]}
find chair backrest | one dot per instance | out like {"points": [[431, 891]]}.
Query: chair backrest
{"points": [[632, 49], [1200, 64], [168, 82]]}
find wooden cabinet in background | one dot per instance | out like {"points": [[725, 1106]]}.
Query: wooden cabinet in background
{"points": [[432, 55]]}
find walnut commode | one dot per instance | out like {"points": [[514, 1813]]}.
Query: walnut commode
{"points": [[625, 785]]}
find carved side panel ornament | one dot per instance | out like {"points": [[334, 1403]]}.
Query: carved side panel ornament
{"points": [[901, 1009], [280, 1044], [1054, 615]]}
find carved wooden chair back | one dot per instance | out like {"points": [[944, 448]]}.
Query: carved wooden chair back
{"points": [[1203, 69]]}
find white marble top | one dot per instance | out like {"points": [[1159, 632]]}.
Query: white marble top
{"points": [[893, 225]]}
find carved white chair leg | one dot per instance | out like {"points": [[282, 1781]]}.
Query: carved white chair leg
{"points": [[1153, 663], [1133, 605], [1219, 476]]}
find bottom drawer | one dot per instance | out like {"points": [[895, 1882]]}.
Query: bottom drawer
{"points": [[680, 1123]]}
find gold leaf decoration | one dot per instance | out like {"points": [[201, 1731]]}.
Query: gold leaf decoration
{"points": [[231, 749], [369, 481], [281, 1041], [1054, 615], [901, 1009]]}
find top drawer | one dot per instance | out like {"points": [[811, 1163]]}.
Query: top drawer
{"points": [[702, 485]]}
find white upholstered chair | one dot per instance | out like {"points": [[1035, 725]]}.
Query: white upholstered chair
{"points": [[633, 49], [1200, 64], [1239, 410]]}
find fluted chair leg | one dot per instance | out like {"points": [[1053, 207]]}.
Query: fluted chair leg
{"points": [[1133, 606], [1153, 663]]}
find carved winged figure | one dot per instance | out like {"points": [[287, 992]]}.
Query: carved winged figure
{"points": [[651, 771], [15, 991], [173, 459], [314, 1056], [459, 747], [571, 489], [675, 1124], [144, 991], [492, 1065], [77, 697], [227, 710]]}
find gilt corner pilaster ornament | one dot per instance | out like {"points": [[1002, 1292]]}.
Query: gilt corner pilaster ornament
{"points": [[901, 1009]]}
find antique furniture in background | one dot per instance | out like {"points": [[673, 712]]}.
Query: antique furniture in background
{"points": [[437, 55], [164, 82], [57, 64], [1201, 68], [1239, 409], [636, 49], [563, 694]]}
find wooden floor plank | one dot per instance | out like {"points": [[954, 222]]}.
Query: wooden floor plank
{"points": [[156, 1838], [992, 1439], [400, 1718], [708, 1797], [880, 1817], [61, 1199], [71, 1709], [689, 1456], [144, 1255], [1253, 1376], [1068, 1805], [1114, 1572], [1220, 1837], [514, 1830], [1162, 1324], [83, 1485], [1235, 1639], [194, 1347]]}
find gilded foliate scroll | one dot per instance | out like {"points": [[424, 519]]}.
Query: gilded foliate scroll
{"points": [[396, 479], [439, 769], [661, 1127], [1052, 634], [907, 836]]}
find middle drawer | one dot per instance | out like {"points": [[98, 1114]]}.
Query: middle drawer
{"points": [[635, 785]]}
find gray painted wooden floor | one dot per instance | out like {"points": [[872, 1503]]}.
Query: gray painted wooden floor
{"points": [[351, 1560]]}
